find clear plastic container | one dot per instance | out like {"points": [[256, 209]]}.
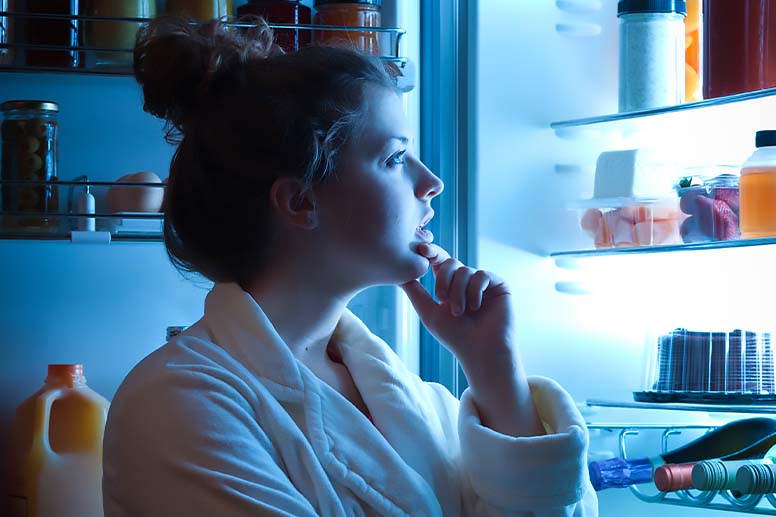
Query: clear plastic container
{"points": [[711, 204], [758, 189], [630, 222], [712, 366]]}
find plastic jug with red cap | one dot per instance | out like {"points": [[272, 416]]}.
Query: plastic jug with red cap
{"points": [[56, 448]]}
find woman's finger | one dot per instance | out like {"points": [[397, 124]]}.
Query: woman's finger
{"points": [[420, 298], [456, 295], [435, 254], [443, 277], [474, 291]]}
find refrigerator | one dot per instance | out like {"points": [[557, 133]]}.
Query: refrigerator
{"points": [[512, 101]]}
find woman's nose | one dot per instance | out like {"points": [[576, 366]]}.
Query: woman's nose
{"points": [[429, 185]]}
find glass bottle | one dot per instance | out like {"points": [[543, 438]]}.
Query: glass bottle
{"points": [[62, 33], [199, 9], [349, 13], [739, 46], [291, 12], [29, 153], [729, 442], [112, 34]]}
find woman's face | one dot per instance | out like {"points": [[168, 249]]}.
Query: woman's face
{"points": [[369, 214]]}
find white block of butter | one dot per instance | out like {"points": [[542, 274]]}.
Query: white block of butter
{"points": [[634, 173]]}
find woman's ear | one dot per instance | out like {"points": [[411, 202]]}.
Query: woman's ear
{"points": [[294, 203]]}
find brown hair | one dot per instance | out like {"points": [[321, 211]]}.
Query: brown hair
{"points": [[243, 113]]}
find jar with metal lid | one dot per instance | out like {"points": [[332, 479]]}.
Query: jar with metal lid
{"points": [[289, 12], [349, 13], [29, 154], [652, 53]]}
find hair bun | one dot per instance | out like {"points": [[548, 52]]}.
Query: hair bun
{"points": [[175, 61]]}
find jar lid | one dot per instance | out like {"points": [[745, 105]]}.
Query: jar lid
{"points": [[765, 138], [651, 6], [29, 105], [376, 3]]}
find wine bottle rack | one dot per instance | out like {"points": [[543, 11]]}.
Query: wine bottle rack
{"points": [[725, 500]]}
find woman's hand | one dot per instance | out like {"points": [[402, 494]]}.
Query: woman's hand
{"points": [[474, 321], [474, 318]]}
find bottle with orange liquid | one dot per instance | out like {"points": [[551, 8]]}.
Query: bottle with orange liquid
{"points": [[757, 189], [56, 448], [692, 52]]}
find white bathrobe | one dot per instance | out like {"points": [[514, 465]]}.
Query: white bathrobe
{"points": [[223, 421]]}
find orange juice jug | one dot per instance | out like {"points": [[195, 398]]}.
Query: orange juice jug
{"points": [[56, 448], [757, 189]]}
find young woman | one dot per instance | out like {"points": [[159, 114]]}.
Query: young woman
{"points": [[294, 187]]}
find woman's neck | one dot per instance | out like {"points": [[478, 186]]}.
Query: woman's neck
{"points": [[303, 310]]}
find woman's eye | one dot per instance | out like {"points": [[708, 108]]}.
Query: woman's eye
{"points": [[396, 159]]}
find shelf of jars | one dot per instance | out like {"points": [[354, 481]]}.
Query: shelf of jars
{"points": [[68, 210], [653, 426], [101, 44]]}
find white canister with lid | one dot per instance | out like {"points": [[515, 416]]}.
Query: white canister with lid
{"points": [[651, 52]]}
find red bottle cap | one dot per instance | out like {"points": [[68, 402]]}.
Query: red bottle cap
{"points": [[673, 477], [69, 374]]}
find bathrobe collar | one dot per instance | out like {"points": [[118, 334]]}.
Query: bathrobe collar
{"points": [[356, 455]]}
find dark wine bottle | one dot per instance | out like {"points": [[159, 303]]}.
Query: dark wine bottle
{"points": [[741, 439]]}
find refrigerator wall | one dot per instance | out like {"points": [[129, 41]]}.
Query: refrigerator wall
{"points": [[584, 321]]}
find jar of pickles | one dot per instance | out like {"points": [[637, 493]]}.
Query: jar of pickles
{"points": [[348, 13], [29, 163]]}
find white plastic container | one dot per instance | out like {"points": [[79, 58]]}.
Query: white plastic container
{"points": [[652, 53]]}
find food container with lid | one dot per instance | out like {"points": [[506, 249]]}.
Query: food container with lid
{"points": [[709, 366], [348, 13], [709, 199], [29, 163], [634, 202]]}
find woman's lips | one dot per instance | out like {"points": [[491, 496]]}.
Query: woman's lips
{"points": [[424, 235]]}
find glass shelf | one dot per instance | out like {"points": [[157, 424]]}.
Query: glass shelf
{"points": [[645, 250], [60, 220], [668, 406], [624, 117]]}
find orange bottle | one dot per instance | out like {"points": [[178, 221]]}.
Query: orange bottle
{"points": [[692, 52], [757, 189], [56, 448]]}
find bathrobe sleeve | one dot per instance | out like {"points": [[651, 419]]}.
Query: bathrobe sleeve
{"points": [[522, 476], [161, 465]]}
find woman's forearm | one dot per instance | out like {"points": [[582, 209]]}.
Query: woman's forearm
{"points": [[500, 390]]}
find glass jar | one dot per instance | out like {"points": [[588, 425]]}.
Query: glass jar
{"points": [[112, 34], [349, 13], [290, 12], [29, 146], [199, 9], [62, 33], [651, 54], [739, 46]]}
